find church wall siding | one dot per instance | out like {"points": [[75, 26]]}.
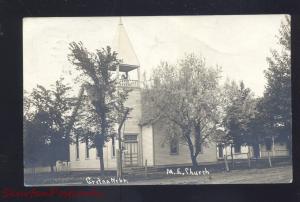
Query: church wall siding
{"points": [[134, 102], [93, 162], [162, 154], [131, 126], [147, 145]]}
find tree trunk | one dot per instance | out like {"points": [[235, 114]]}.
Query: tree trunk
{"points": [[191, 148], [101, 111], [232, 159], [100, 152], [120, 154], [197, 139], [52, 168], [186, 134], [194, 161], [226, 163], [226, 160], [269, 158], [249, 157], [120, 168]]}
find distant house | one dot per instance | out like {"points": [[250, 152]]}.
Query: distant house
{"points": [[263, 151]]}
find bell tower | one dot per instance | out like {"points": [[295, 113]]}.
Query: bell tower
{"points": [[128, 72], [128, 75]]}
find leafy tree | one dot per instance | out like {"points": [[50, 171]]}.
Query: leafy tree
{"points": [[96, 73], [239, 111], [185, 98], [257, 127], [46, 122], [122, 113], [35, 148], [277, 96]]}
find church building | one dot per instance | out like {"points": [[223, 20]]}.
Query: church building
{"points": [[145, 143], [140, 143]]}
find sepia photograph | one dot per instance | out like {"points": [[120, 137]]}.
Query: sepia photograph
{"points": [[157, 100]]}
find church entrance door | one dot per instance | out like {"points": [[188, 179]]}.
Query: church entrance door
{"points": [[131, 150]]}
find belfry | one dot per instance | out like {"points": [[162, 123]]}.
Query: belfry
{"points": [[128, 75], [124, 48]]}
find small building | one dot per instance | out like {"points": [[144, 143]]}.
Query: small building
{"points": [[263, 151]]}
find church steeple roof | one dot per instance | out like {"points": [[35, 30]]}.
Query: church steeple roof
{"points": [[124, 48]]}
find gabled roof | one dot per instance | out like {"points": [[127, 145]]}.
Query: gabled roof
{"points": [[124, 48]]}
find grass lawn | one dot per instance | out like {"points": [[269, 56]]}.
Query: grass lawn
{"points": [[281, 174], [252, 176]]}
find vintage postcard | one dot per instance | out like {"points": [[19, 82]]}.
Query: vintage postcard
{"points": [[158, 100]]}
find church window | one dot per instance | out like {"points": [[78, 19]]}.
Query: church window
{"points": [[220, 149], [77, 147], [174, 146], [87, 150], [113, 148]]}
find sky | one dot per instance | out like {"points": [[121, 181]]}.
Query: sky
{"points": [[239, 44]]}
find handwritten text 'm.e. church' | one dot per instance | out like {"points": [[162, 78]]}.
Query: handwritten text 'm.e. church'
{"points": [[186, 171]]}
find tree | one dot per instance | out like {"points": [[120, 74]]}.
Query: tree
{"points": [[45, 120], [186, 98], [122, 113], [239, 111], [257, 127], [96, 72], [277, 96], [35, 148]]}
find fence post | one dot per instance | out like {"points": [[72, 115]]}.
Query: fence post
{"points": [[146, 168]]}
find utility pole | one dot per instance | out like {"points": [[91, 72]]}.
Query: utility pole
{"points": [[122, 121]]}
